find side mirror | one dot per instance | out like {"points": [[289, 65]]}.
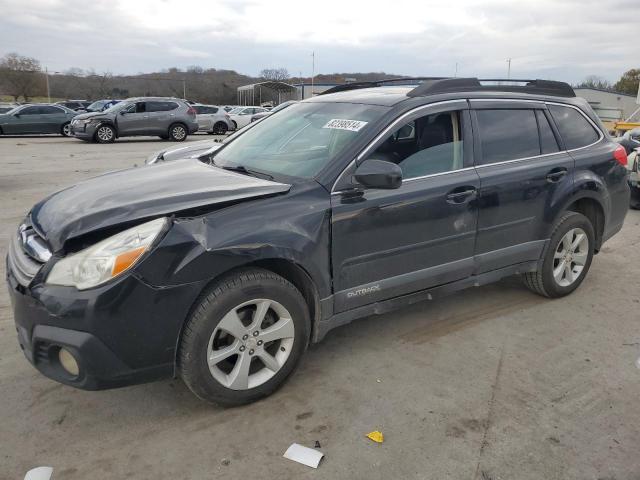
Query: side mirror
{"points": [[378, 174]]}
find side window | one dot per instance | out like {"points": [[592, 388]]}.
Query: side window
{"points": [[213, 109], [199, 110], [30, 111], [47, 110], [141, 107], [425, 146], [575, 130], [548, 142], [162, 106], [507, 135]]}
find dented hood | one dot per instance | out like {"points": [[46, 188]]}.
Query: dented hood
{"points": [[139, 193]]}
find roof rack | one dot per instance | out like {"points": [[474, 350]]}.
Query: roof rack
{"points": [[448, 85], [435, 85], [378, 83]]}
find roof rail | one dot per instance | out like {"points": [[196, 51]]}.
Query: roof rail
{"points": [[450, 85], [378, 83]]}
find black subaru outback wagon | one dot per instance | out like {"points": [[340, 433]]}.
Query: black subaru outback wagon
{"points": [[368, 198]]}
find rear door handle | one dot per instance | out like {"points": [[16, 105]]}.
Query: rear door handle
{"points": [[556, 175], [462, 195]]}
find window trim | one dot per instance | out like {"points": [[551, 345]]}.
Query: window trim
{"points": [[389, 128], [471, 110], [562, 150]]}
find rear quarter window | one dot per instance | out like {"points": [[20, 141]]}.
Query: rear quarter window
{"points": [[574, 128]]}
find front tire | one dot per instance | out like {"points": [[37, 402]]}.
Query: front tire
{"points": [[105, 134], [246, 335], [566, 258], [178, 132]]}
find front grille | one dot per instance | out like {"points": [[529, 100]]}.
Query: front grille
{"points": [[23, 267]]}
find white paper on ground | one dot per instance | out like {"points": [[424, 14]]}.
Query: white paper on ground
{"points": [[306, 456], [39, 473]]}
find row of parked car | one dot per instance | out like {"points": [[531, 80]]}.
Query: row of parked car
{"points": [[104, 121]]}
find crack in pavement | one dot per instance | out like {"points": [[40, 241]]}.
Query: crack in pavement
{"points": [[490, 414]]}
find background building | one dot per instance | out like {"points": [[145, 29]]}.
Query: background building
{"points": [[609, 106]]}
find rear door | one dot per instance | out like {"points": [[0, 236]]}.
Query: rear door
{"points": [[387, 243], [52, 118], [161, 115], [522, 171]]}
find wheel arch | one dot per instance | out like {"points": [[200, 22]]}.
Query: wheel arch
{"points": [[288, 269], [109, 123], [591, 207]]}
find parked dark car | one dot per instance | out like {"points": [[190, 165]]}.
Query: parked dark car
{"points": [[168, 118], [348, 204], [35, 119], [76, 105]]}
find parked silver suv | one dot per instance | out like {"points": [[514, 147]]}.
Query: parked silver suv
{"points": [[168, 118]]}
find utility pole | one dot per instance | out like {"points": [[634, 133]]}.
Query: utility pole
{"points": [[508, 68], [184, 88], [456, 72], [313, 69], [46, 76]]}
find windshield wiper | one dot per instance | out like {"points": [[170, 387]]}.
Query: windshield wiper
{"points": [[244, 170]]}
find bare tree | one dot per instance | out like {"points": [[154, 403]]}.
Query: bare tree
{"points": [[594, 81], [275, 74], [21, 76]]}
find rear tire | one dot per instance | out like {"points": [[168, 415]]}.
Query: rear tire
{"points": [[105, 134], [220, 128], [566, 257], [65, 130], [178, 132], [226, 332]]}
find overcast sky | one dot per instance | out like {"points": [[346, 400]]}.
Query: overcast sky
{"points": [[564, 40]]}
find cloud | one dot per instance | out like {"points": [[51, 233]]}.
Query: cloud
{"points": [[187, 53], [544, 38]]}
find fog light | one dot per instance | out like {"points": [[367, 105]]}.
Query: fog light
{"points": [[68, 362]]}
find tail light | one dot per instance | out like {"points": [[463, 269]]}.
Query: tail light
{"points": [[191, 111], [620, 154]]}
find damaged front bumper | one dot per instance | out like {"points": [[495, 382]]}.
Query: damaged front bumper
{"points": [[122, 333]]}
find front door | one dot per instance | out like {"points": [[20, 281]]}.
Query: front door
{"points": [[522, 169], [25, 120], [133, 120], [387, 243]]}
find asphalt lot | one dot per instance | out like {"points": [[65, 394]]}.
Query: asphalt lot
{"points": [[491, 383]]}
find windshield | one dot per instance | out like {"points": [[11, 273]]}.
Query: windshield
{"points": [[117, 107], [97, 106], [301, 140]]}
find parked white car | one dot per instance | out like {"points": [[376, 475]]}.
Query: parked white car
{"points": [[212, 119], [241, 116]]}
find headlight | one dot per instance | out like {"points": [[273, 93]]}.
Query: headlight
{"points": [[106, 259]]}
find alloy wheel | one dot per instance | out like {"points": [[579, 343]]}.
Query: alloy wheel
{"points": [[570, 257], [105, 134], [66, 129], [179, 132], [251, 344]]}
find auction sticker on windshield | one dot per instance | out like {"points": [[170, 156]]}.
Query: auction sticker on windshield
{"points": [[340, 124]]}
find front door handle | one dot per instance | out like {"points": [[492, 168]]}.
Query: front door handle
{"points": [[556, 175], [462, 195]]}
